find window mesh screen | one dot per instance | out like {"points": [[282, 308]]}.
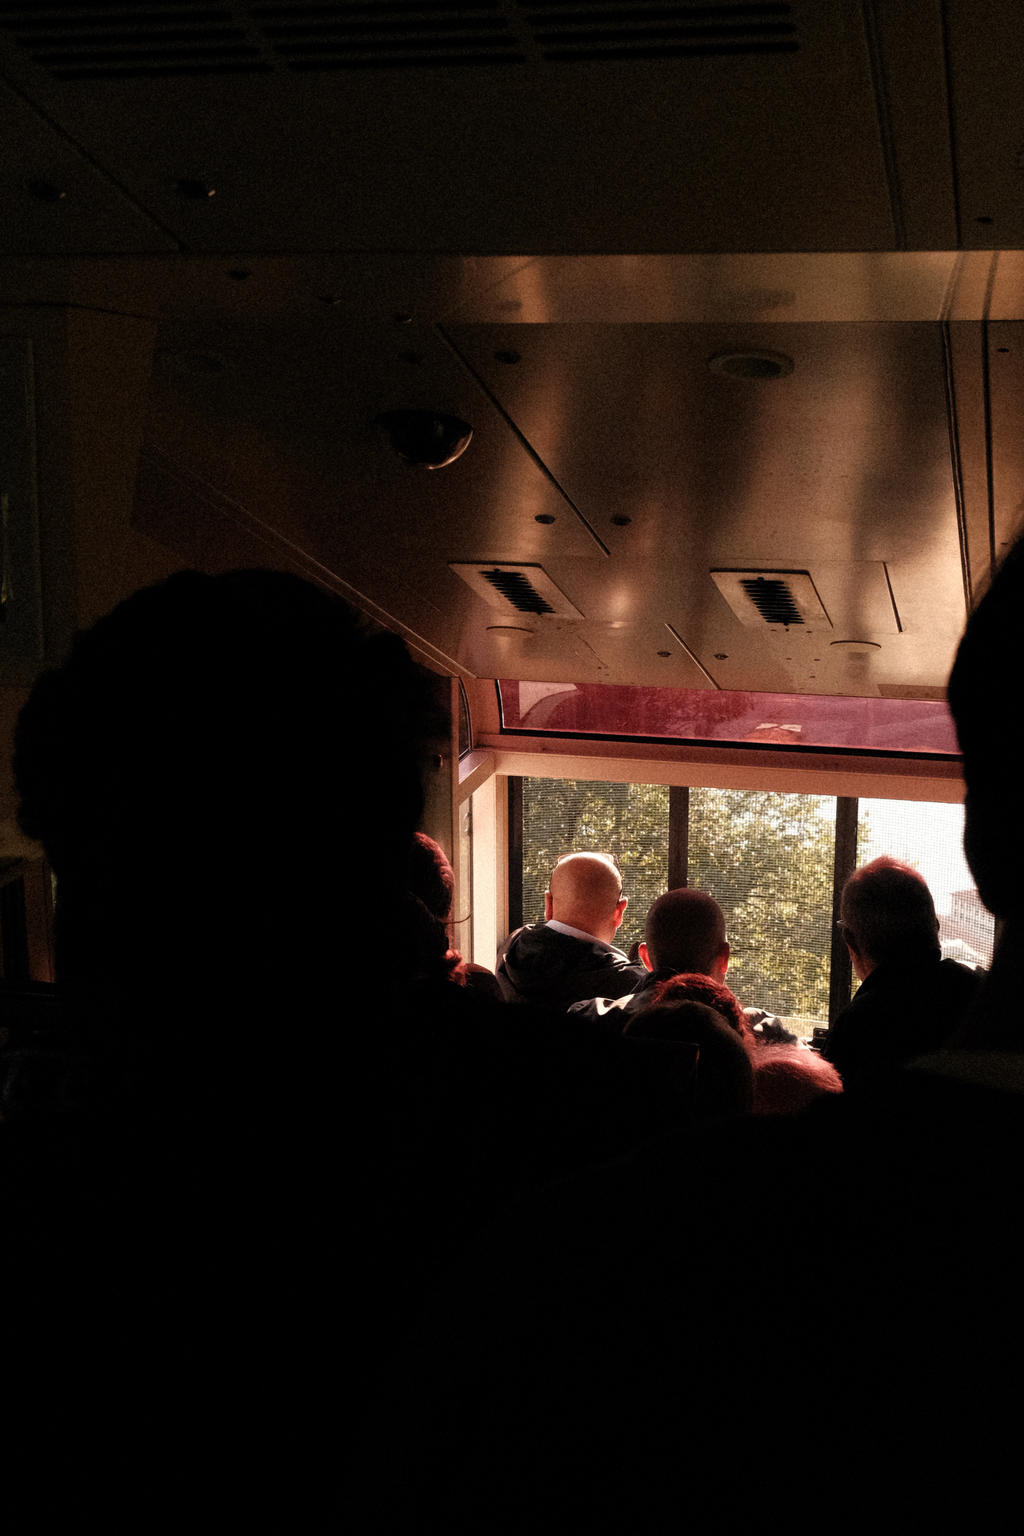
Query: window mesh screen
{"points": [[572, 816], [930, 838], [768, 860]]}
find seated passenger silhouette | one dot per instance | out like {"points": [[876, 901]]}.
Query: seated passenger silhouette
{"points": [[722, 1075], [263, 1147], [684, 933], [570, 956], [910, 999]]}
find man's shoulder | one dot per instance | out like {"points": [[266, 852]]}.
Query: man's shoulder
{"points": [[540, 964], [543, 938]]}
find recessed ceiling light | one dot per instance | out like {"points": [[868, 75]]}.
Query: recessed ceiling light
{"points": [[751, 364]]}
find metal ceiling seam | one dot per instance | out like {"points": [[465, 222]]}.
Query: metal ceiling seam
{"points": [[100, 169], [520, 436], [956, 467]]}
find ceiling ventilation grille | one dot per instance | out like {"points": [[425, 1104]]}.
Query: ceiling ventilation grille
{"points": [[773, 600], [116, 42], [517, 589], [781, 598], [150, 39], [378, 34], [613, 31]]}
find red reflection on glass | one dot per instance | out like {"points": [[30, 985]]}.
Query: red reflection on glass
{"points": [[699, 714]]}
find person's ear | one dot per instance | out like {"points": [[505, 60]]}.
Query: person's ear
{"points": [[620, 910], [645, 956], [722, 961], [549, 910]]}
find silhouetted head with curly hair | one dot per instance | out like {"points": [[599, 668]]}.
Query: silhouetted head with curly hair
{"points": [[698, 988]]}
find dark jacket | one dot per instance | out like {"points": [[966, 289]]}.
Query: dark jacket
{"points": [[613, 1013], [542, 966], [902, 1010]]}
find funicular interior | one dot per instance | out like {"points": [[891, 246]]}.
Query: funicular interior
{"points": [[732, 307]]}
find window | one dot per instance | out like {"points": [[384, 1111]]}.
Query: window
{"points": [[768, 859], [705, 714]]}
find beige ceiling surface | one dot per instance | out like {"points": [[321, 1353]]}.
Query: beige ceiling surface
{"points": [[843, 470]]}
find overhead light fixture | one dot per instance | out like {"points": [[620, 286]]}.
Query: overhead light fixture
{"points": [[751, 364]]}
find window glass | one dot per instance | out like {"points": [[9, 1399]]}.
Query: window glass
{"points": [[462, 920], [930, 838], [767, 859], [465, 724], [569, 816], [705, 714]]}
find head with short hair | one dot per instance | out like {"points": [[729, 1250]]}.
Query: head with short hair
{"points": [[887, 913], [685, 931], [585, 892]]}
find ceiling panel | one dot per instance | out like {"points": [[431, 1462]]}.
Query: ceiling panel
{"points": [[765, 145], [56, 200], [841, 469]]}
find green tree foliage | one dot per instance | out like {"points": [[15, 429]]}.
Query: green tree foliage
{"points": [[766, 858], [572, 816]]}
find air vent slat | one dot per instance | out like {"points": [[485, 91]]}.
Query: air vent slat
{"points": [[348, 36], [417, 61], [134, 39], [309, 18], [589, 12], [151, 71], [411, 44], [394, 16], [148, 55], [669, 33], [670, 51]]}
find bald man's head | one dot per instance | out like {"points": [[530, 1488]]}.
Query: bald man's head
{"points": [[586, 893], [686, 932]]}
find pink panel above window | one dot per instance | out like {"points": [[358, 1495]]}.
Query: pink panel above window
{"points": [[696, 714]]}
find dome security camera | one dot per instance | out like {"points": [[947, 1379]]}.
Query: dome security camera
{"points": [[428, 439]]}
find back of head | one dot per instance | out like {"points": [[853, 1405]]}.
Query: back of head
{"points": [[889, 912], [431, 877], [685, 931], [724, 1070], [788, 1078], [205, 772], [585, 889]]}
